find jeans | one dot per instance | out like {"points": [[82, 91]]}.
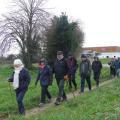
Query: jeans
{"points": [[44, 93], [19, 97], [61, 93], [72, 80], [87, 78], [96, 77]]}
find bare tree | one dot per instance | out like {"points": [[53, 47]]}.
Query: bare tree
{"points": [[25, 26]]}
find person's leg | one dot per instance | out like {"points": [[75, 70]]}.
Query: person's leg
{"points": [[96, 77], [58, 97], [111, 71], [70, 81], [48, 93], [114, 72], [19, 98], [88, 81], [64, 96], [61, 90], [43, 93], [82, 83], [73, 80]]}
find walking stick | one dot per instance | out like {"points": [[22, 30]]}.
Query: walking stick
{"points": [[10, 89]]}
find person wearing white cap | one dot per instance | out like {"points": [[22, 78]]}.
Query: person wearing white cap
{"points": [[21, 80]]}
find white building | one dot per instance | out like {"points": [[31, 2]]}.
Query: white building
{"points": [[103, 52]]}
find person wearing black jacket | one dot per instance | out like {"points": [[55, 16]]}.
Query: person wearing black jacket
{"points": [[60, 70], [21, 80], [96, 67], [85, 72]]}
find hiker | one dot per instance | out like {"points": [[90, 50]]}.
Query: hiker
{"points": [[112, 67], [21, 80], [96, 67], [72, 67], [60, 70], [45, 78], [85, 72], [117, 67]]}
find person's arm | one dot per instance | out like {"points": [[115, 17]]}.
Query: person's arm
{"points": [[38, 76], [66, 68], [76, 64], [10, 79], [28, 77], [90, 67], [100, 65], [50, 75]]}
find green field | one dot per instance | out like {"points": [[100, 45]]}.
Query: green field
{"points": [[105, 60], [8, 105], [101, 104]]}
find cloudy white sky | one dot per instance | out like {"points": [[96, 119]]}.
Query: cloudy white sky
{"points": [[100, 18]]}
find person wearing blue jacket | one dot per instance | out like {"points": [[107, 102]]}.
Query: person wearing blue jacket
{"points": [[21, 80], [117, 67], [45, 78]]}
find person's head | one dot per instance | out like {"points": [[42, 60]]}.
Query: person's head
{"points": [[83, 57], [60, 55], [42, 61], [96, 58], [70, 55], [18, 63]]}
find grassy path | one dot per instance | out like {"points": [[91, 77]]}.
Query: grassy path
{"points": [[38, 110]]}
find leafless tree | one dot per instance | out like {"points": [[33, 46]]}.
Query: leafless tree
{"points": [[25, 26]]}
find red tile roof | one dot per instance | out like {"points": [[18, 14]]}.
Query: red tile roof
{"points": [[103, 49]]}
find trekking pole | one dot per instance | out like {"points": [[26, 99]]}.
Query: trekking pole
{"points": [[10, 89]]}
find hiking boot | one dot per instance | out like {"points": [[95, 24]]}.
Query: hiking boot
{"points": [[81, 92], [49, 100], [63, 99], [41, 104], [75, 88], [57, 103]]}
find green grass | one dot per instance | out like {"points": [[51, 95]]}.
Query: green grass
{"points": [[105, 60], [8, 105], [100, 104]]}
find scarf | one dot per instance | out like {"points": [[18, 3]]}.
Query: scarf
{"points": [[41, 66], [16, 77]]}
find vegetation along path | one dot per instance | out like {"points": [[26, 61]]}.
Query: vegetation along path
{"points": [[71, 95]]}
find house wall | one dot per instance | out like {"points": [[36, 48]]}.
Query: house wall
{"points": [[109, 54]]}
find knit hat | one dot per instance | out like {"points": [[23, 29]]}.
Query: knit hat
{"points": [[17, 62], [59, 52], [83, 56]]}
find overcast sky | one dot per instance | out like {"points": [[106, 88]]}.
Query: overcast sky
{"points": [[100, 18]]}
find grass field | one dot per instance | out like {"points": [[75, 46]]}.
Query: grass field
{"points": [[105, 60], [8, 105], [101, 104]]}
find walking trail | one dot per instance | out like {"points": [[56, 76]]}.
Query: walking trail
{"points": [[71, 95]]}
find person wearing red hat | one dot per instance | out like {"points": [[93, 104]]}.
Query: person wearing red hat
{"points": [[45, 78]]}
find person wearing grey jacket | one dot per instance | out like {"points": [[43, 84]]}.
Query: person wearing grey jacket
{"points": [[85, 72]]}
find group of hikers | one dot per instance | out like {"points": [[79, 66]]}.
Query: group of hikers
{"points": [[63, 69], [114, 67]]}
